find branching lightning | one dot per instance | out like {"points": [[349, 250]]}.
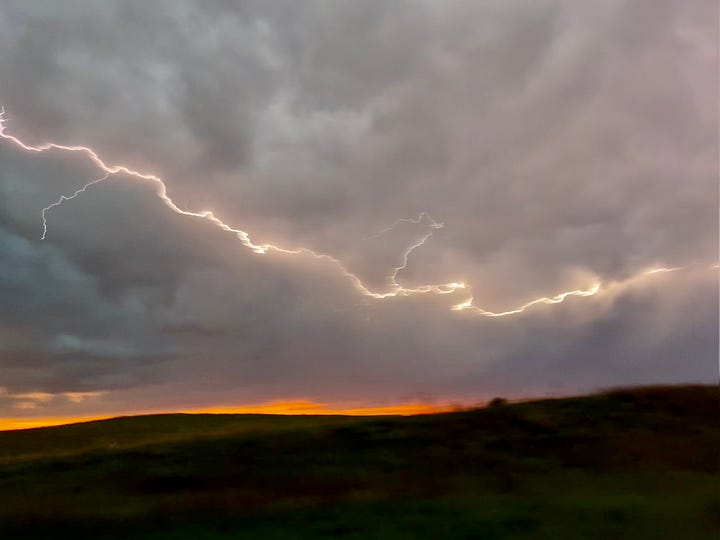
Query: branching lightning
{"points": [[417, 221], [392, 278], [598, 287], [468, 304], [394, 288], [64, 198]]}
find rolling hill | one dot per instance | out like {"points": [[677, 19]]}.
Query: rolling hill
{"points": [[633, 463]]}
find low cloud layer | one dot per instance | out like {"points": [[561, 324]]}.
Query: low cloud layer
{"points": [[559, 143]]}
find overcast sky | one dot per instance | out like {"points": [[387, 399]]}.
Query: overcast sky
{"points": [[560, 143]]}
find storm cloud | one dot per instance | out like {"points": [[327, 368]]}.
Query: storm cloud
{"points": [[560, 144]]}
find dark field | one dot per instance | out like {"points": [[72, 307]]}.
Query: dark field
{"points": [[639, 464]]}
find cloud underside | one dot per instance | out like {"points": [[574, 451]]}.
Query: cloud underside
{"points": [[560, 145]]}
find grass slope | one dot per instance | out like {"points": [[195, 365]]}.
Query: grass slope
{"points": [[639, 463]]}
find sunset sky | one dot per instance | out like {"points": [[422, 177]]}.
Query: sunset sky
{"points": [[414, 204]]}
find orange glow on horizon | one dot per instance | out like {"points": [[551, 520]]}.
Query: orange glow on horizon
{"points": [[311, 407], [11, 424], [298, 407]]}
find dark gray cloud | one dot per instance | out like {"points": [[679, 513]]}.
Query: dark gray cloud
{"points": [[559, 142]]}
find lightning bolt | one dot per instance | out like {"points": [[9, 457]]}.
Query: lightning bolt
{"points": [[395, 289], [663, 270], [557, 299], [64, 198], [417, 221], [161, 190], [597, 288], [405, 255]]}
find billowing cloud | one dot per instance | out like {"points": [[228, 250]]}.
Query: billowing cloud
{"points": [[560, 145]]}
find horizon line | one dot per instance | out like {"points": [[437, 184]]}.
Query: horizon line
{"points": [[277, 407]]}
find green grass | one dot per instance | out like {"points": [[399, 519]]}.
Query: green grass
{"points": [[639, 463], [132, 431]]}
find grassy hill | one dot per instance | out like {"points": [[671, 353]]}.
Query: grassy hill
{"points": [[638, 463]]}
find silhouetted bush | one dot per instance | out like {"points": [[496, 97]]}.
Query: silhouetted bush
{"points": [[497, 402]]}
